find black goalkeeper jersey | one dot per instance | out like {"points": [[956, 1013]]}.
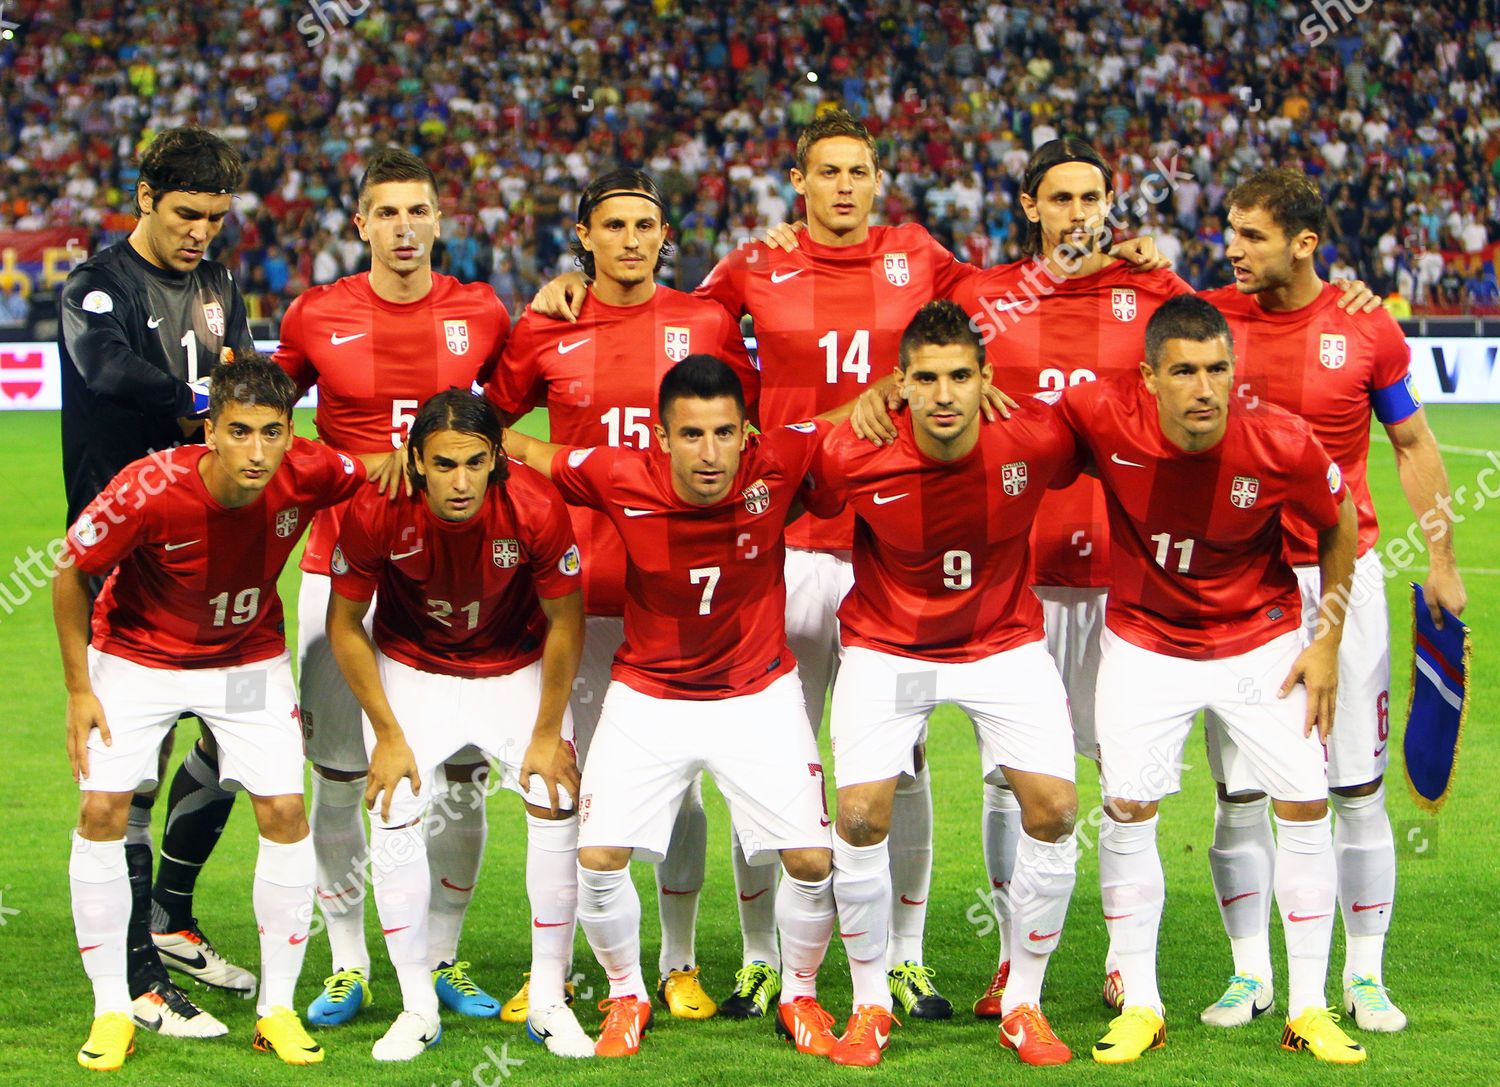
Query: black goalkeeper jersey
{"points": [[133, 336]]}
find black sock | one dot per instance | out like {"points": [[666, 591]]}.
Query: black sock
{"points": [[140, 953], [197, 809]]}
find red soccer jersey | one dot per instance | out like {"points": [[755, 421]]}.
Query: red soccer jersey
{"points": [[1331, 368], [941, 558], [705, 598], [459, 598], [1195, 538], [828, 320], [194, 583], [1043, 336], [375, 362], [599, 379]]}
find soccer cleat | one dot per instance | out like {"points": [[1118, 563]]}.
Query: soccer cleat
{"points": [[1369, 1005], [1114, 991], [411, 1035], [684, 997], [282, 1033], [1246, 998], [166, 1009], [457, 992], [111, 1040], [865, 1038], [1136, 1029], [1317, 1031], [755, 986], [911, 985], [557, 1028], [518, 1007], [189, 952], [1027, 1031], [805, 1024], [344, 995], [988, 1006], [626, 1021]]}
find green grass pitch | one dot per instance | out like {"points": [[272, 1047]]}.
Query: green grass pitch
{"points": [[1441, 957]]}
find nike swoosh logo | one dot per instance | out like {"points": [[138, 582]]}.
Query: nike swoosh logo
{"points": [[908, 902], [95, 947], [1035, 935], [880, 1038], [1122, 461], [1360, 907], [444, 880], [153, 322], [782, 277], [336, 894], [564, 348], [885, 499], [751, 898], [1014, 1039], [1380, 751], [336, 339], [635, 513], [1235, 898], [669, 891], [397, 558], [393, 931], [852, 935], [1000, 884], [547, 924], [1116, 916], [179, 547], [197, 962], [295, 940], [1309, 917], [1001, 307]]}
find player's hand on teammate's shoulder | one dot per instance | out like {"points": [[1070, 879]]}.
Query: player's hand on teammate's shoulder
{"points": [[85, 713], [1317, 669], [997, 402], [552, 760], [1444, 589], [388, 472], [391, 761], [1357, 296], [873, 408], [1140, 254], [784, 235], [562, 296]]}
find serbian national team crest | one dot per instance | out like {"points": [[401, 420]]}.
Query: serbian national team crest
{"points": [[1243, 491], [757, 497], [675, 341], [1122, 303], [896, 269], [457, 335], [213, 316], [286, 521], [1013, 477], [1331, 350], [506, 553]]}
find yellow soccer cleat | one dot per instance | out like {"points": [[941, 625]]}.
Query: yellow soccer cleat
{"points": [[684, 997], [283, 1034], [111, 1040], [1131, 1033], [1317, 1031], [518, 1008]]}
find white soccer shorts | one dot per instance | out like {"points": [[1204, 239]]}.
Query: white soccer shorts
{"points": [[816, 584], [1074, 619]]}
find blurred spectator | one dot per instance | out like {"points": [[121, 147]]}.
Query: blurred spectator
{"points": [[15, 307]]}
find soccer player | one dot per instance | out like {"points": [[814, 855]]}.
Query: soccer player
{"points": [[478, 631], [190, 622], [1301, 352], [942, 612], [377, 345], [1205, 613], [143, 323], [703, 680], [599, 377]]}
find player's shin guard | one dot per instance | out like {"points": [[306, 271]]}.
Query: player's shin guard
{"points": [[1045, 873], [609, 909], [756, 888], [1134, 891], [101, 906], [862, 893], [140, 952], [1305, 892], [1001, 830], [284, 876], [1365, 854], [911, 868], [402, 878], [804, 915], [338, 833], [1241, 862], [197, 808], [679, 879], [457, 828], [552, 889]]}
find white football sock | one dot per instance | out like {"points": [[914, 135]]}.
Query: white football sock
{"points": [[402, 879], [1000, 830], [1045, 873], [283, 896], [338, 833], [609, 909], [804, 912], [457, 827], [911, 868], [1134, 891], [1364, 852], [679, 880], [755, 886], [862, 894], [1306, 887], [101, 914], [1241, 860], [552, 888]]}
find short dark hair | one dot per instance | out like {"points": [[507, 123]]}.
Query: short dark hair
{"points": [[1288, 196], [617, 182], [940, 322], [1186, 317], [457, 409], [1055, 153], [699, 377], [393, 164], [835, 122], [253, 380], [189, 159]]}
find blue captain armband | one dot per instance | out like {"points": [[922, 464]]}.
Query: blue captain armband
{"points": [[1396, 402]]}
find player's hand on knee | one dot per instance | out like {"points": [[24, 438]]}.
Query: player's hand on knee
{"points": [[85, 713], [1316, 668], [562, 296], [391, 761], [551, 760]]}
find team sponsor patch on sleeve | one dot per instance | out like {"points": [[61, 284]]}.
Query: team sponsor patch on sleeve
{"points": [[808, 427], [570, 563], [97, 302], [1335, 479], [347, 463], [86, 532], [578, 456], [338, 563]]}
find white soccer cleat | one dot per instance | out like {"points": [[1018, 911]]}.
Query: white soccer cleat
{"points": [[411, 1035], [166, 1009], [557, 1028], [190, 952], [1369, 1005], [1246, 998]]}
